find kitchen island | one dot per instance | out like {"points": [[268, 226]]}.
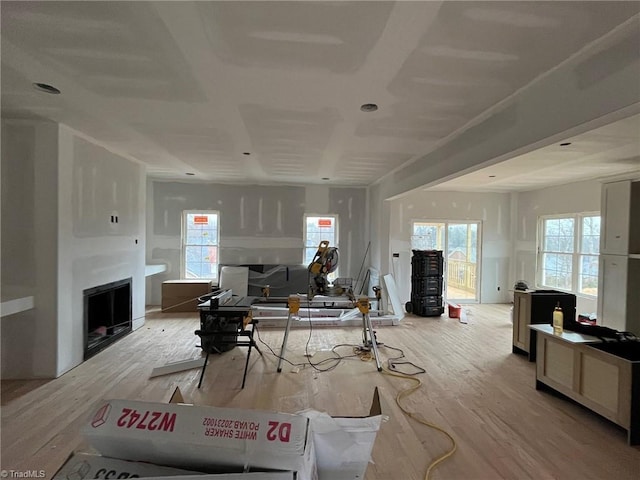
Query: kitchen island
{"points": [[602, 376]]}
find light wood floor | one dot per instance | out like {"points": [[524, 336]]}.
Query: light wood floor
{"points": [[474, 387]]}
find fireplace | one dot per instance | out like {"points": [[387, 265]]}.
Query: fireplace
{"points": [[107, 315]]}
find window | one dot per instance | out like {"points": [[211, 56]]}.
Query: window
{"points": [[568, 253], [316, 229], [200, 241], [428, 236], [589, 250]]}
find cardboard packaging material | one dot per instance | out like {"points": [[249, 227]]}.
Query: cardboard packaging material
{"points": [[203, 438], [80, 466], [141, 436], [343, 444], [84, 465], [181, 295], [233, 476]]}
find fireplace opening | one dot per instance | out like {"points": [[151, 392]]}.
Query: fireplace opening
{"points": [[107, 315]]}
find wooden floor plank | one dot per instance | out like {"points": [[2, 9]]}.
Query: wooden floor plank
{"points": [[474, 388]]}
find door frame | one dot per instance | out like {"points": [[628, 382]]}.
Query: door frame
{"points": [[446, 223]]}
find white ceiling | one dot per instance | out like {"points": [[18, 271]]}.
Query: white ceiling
{"points": [[607, 151], [194, 86]]}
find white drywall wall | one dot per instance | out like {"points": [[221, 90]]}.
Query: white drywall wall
{"points": [[509, 230], [95, 184], [258, 224], [379, 219], [316, 199], [491, 209], [571, 198], [18, 210], [57, 240], [29, 247]]}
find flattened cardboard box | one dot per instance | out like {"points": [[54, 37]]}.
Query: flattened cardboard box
{"points": [[181, 295], [343, 444], [233, 476], [202, 438], [82, 466]]}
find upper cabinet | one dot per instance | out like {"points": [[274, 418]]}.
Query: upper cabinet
{"points": [[620, 218], [619, 272]]}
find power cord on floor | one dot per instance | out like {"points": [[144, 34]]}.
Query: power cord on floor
{"points": [[365, 355], [337, 359], [316, 366], [393, 363], [405, 393]]}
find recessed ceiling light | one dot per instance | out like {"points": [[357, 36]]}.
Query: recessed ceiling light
{"points": [[43, 87], [369, 107], [565, 144], [189, 173]]}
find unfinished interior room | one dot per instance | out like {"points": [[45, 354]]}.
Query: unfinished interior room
{"points": [[308, 240]]}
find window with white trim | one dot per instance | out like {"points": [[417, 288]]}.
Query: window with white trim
{"points": [[316, 229], [200, 244], [568, 250]]}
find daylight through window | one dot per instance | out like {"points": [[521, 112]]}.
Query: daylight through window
{"points": [[316, 229], [200, 241], [568, 253]]}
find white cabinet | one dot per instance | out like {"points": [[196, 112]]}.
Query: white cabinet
{"points": [[619, 293], [612, 295], [616, 204], [619, 273]]}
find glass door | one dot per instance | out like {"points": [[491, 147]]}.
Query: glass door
{"points": [[462, 241], [462, 261]]}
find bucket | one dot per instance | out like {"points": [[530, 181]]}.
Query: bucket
{"points": [[454, 310]]}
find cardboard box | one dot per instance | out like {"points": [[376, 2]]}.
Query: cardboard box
{"points": [[182, 295], [343, 444], [80, 466], [84, 465], [202, 438], [233, 476]]}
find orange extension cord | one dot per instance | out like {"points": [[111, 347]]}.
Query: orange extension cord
{"points": [[367, 357], [405, 393]]}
